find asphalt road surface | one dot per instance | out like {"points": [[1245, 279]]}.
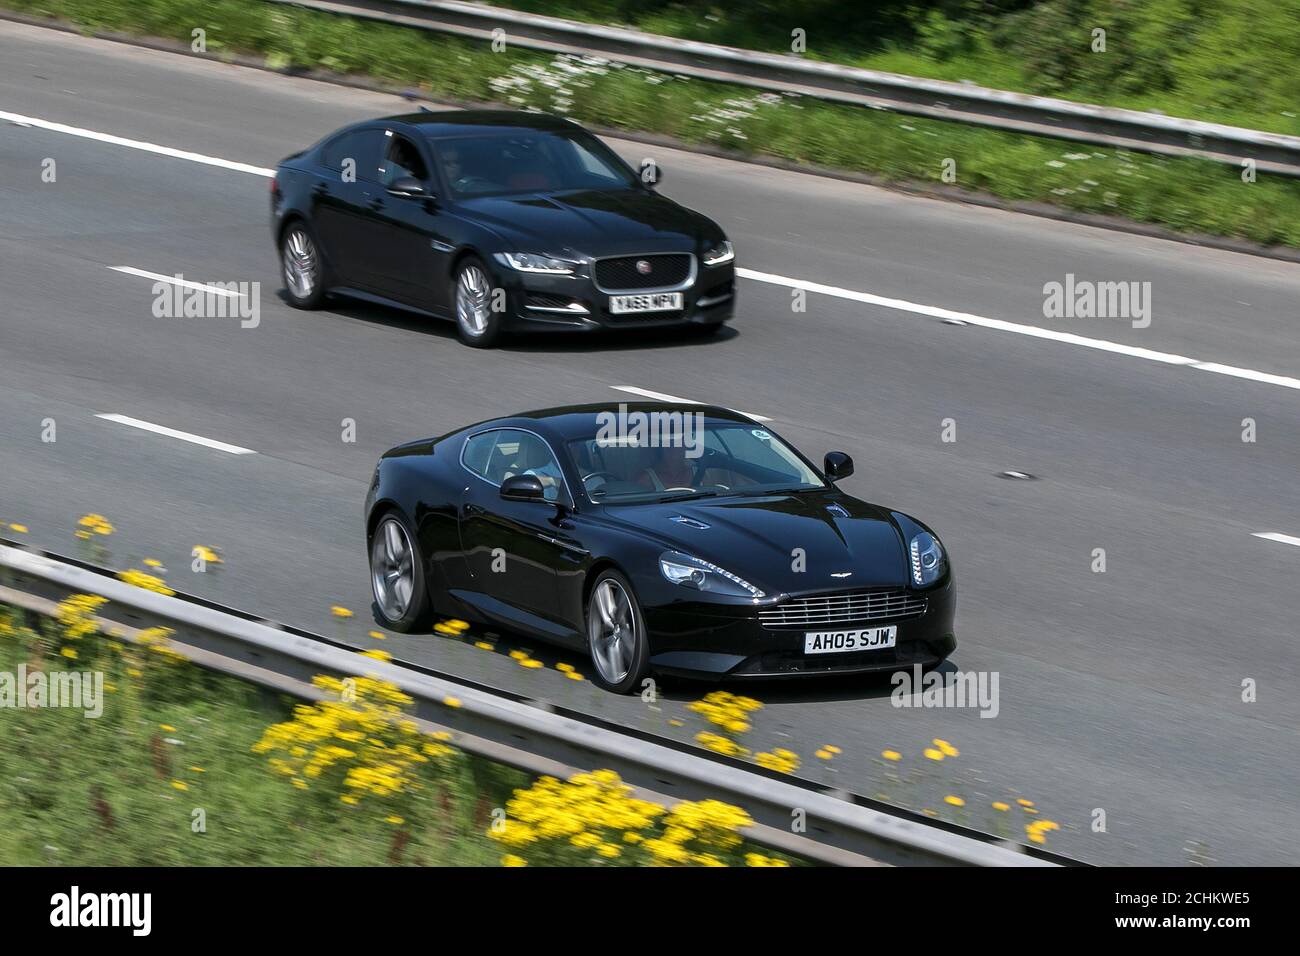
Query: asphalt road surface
{"points": [[1120, 691]]}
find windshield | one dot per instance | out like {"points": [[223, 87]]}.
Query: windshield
{"points": [[496, 164], [677, 456]]}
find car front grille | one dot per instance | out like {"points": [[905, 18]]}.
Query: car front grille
{"points": [[620, 274], [845, 608]]}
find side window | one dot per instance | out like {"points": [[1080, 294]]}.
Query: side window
{"points": [[497, 455], [402, 159], [477, 451], [359, 146], [592, 166]]}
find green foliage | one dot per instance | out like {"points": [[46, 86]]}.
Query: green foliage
{"points": [[1232, 60], [122, 789], [1228, 61]]}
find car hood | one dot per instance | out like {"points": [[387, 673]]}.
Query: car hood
{"points": [[592, 222], [846, 543]]}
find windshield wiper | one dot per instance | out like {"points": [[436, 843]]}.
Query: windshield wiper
{"points": [[775, 491], [687, 496]]}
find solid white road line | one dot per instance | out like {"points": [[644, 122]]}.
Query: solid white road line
{"points": [[1034, 331], [1248, 373], [1068, 338], [664, 397], [173, 280], [1277, 536], [135, 144], [173, 433]]}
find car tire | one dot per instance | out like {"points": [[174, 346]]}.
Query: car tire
{"points": [[476, 322], [397, 577], [302, 266], [617, 666]]}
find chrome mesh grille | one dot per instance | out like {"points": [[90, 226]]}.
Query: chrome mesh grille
{"points": [[844, 608]]}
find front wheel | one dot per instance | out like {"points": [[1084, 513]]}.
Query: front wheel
{"points": [[616, 634], [478, 323], [302, 266], [397, 575]]}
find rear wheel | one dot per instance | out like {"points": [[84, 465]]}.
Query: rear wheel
{"points": [[616, 634], [302, 266], [477, 322], [397, 575]]}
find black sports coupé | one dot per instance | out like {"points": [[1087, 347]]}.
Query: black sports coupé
{"points": [[678, 538]]}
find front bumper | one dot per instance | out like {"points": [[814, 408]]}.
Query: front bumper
{"points": [[708, 640], [574, 303]]}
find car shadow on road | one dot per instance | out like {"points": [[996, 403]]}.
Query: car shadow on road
{"points": [[816, 689], [535, 654], [560, 342]]}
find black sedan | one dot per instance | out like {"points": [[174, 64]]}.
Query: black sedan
{"points": [[497, 220], [681, 539]]}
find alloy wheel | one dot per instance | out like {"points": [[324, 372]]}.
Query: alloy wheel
{"points": [[300, 260], [612, 631], [472, 306], [392, 569]]}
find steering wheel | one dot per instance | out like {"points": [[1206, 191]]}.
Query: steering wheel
{"points": [[597, 474], [469, 184]]}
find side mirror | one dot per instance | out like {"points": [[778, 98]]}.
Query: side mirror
{"points": [[837, 465], [523, 488], [407, 186]]}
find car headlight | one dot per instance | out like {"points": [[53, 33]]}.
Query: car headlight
{"points": [[530, 262], [929, 563], [693, 572], [720, 253]]}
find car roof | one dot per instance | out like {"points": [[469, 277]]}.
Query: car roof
{"points": [[443, 124], [566, 422]]}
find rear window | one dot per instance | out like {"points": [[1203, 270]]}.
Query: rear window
{"points": [[361, 146]]}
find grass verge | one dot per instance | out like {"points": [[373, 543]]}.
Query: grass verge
{"points": [[144, 759], [167, 775], [1227, 61], [1180, 194]]}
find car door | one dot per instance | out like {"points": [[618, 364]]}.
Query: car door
{"points": [[343, 212], [413, 257], [514, 550]]}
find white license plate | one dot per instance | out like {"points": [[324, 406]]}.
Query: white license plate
{"points": [[835, 642], [654, 302]]}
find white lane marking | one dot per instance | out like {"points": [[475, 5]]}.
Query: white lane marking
{"points": [[1249, 373], [949, 315], [135, 144], [173, 433], [1069, 338], [1277, 536], [173, 280], [664, 397]]}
